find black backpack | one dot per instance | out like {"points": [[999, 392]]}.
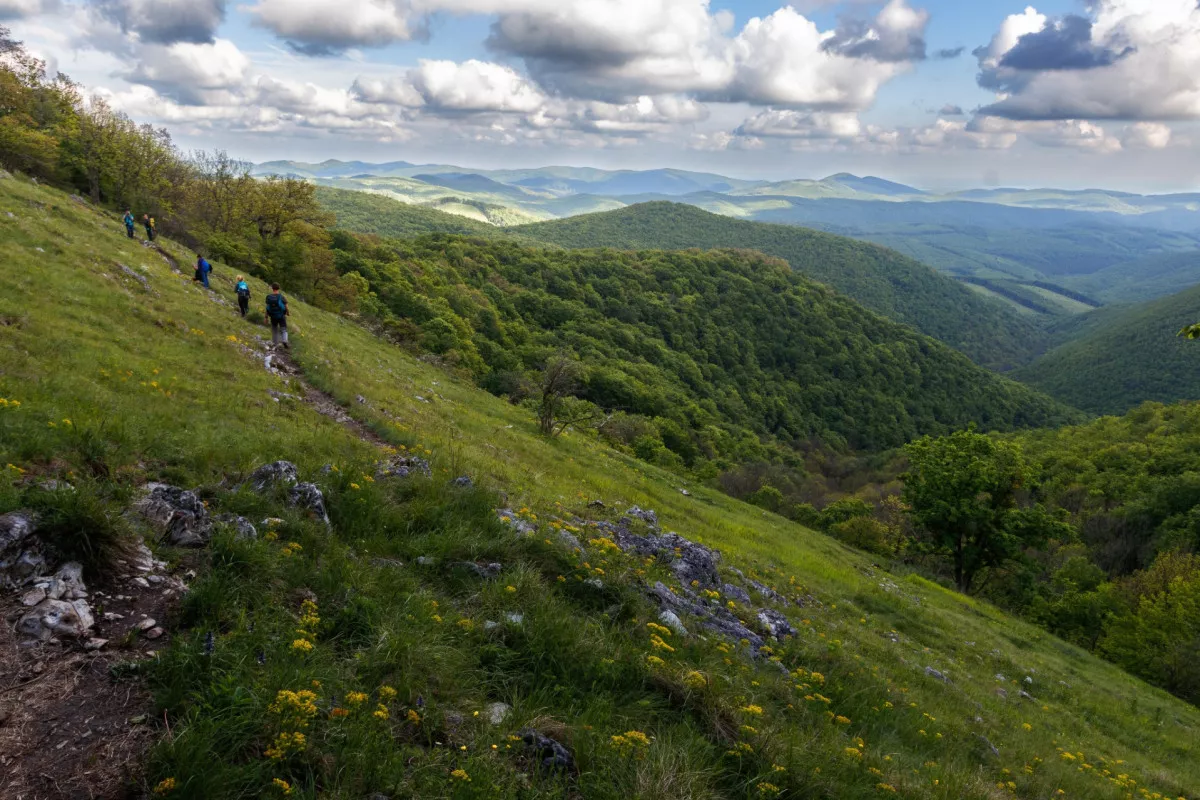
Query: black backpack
{"points": [[276, 306]]}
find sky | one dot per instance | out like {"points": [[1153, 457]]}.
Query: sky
{"points": [[942, 94]]}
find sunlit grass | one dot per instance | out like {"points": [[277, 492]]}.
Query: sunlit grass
{"points": [[117, 386]]}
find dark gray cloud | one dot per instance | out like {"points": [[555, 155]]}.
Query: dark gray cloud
{"points": [[951, 110], [20, 9], [1064, 44], [950, 54], [859, 38], [166, 21]]}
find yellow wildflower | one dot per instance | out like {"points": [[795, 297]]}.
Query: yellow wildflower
{"points": [[302, 645], [460, 775], [164, 786], [283, 786], [355, 698]]}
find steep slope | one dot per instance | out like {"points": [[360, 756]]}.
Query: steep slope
{"points": [[375, 637], [1119, 358], [882, 280]]}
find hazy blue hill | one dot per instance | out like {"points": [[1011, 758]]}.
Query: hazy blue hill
{"points": [[873, 185], [1119, 358], [469, 182], [1144, 279], [881, 279]]}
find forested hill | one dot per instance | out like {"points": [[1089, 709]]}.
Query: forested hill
{"points": [[1119, 358], [705, 352], [365, 212], [884, 281]]}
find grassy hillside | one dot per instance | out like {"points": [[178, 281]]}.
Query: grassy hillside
{"points": [[160, 382], [1116, 359], [882, 280]]}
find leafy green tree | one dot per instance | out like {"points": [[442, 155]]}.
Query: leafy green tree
{"points": [[965, 493], [767, 497], [1160, 640]]}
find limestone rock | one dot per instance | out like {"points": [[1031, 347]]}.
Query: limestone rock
{"points": [[672, 621], [485, 571], [497, 713], [521, 526], [309, 497], [177, 514], [736, 593], [648, 517], [15, 527], [403, 467], [57, 618], [775, 623], [936, 675], [552, 754], [274, 473]]}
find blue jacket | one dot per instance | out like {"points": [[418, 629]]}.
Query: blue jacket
{"points": [[128, 220], [203, 266]]}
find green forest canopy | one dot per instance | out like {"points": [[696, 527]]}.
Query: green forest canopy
{"points": [[884, 281], [716, 348]]}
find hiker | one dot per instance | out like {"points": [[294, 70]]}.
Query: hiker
{"points": [[129, 223], [148, 222], [277, 314], [243, 295], [202, 270]]}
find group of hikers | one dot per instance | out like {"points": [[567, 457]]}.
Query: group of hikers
{"points": [[276, 306], [147, 222]]}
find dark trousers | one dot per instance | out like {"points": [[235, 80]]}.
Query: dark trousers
{"points": [[129, 231], [243, 304], [150, 233]]}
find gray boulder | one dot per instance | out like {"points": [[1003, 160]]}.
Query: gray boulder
{"points": [[497, 712], [403, 467], [936, 675], [178, 515], [244, 527], [485, 571], [510, 518], [552, 755], [51, 618], [672, 621], [736, 593], [775, 623], [272, 474], [66, 584], [648, 517], [309, 497], [15, 527]]}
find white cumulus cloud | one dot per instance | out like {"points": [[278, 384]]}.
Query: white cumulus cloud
{"points": [[1123, 60]]}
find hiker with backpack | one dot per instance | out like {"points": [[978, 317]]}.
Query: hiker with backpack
{"points": [[203, 268], [243, 295], [129, 223], [277, 314], [148, 222]]}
